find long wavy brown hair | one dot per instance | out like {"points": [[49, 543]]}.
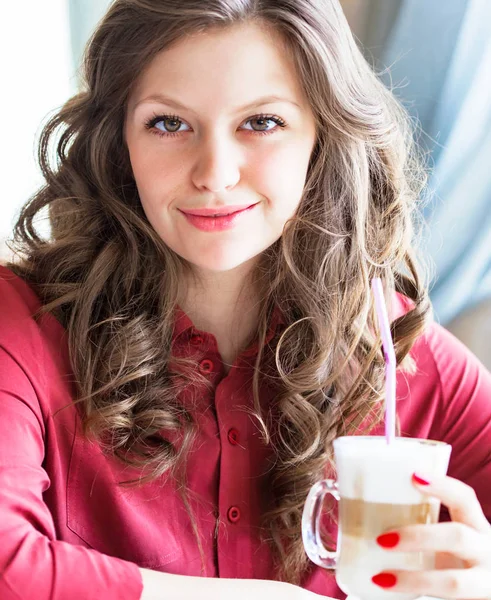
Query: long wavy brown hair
{"points": [[113, 283]]}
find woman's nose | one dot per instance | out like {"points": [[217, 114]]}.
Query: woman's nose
{"points": [[217, 166]]}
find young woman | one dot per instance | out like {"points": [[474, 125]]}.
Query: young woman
{"points": [[178, 357]]}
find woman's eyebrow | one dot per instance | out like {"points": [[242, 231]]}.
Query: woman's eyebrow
{"points": [[160, 99]]}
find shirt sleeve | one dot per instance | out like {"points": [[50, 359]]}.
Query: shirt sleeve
{"points": [[464, 416], [33, 564]]}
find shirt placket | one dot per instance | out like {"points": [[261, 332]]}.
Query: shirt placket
{"points": [[237, 483]]}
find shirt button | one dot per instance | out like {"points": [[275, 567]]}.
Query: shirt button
{"points": [[233, 514], [233, 436], [196, 339], [206, 366]]}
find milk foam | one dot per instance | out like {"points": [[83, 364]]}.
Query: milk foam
{"points": [[371, 470]]}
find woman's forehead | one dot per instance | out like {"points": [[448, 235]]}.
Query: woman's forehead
{"points": [[234, 66]]}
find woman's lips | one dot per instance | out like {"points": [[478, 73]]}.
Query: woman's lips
{"points": [[218, 223], [217, 211]]}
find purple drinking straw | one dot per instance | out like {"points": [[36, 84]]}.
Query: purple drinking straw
{"points": [[390, 360]]}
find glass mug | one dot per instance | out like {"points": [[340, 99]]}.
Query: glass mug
{"points": [[375, 495]]}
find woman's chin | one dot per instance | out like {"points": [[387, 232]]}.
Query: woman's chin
{"points": [[221, 264]]}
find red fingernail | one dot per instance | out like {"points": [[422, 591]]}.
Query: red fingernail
{"points": [[388, 540], [420, 480], [384, 580]]}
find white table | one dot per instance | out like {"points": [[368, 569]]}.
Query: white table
{"points": [[421, 598]]}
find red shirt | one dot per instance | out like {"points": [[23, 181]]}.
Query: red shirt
{"points": [[68, 531]]}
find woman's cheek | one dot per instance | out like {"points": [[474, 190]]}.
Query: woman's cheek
{"points": [[157, 179], [281, 177]]}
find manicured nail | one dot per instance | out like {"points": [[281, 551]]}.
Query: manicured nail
{"points": [[420, 480], [384, 580], [388, 540]]}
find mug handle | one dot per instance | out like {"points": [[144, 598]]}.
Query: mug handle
{"points": [[310, 524]]}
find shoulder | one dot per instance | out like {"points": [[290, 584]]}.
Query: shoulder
{"points": [[449, 382], [463, 380], [30, 339], [19, 306], [442, 358], [15, 292], [436, 348]]}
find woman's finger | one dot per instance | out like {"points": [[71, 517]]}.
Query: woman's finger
{"points": [[460, 540], [472, 584], [458, 497]]}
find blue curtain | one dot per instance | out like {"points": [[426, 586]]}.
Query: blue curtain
{"points": [[440, 54]]}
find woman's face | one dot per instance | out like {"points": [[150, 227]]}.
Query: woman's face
{"points": [[201, 134]]}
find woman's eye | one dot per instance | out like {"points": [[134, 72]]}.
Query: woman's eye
{"points": [[170, 125], [266, 124]]}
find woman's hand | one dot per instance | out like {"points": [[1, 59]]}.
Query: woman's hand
{"points": [[462, 546]]}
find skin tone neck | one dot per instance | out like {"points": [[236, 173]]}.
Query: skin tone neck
{"points": [[222, 304]]}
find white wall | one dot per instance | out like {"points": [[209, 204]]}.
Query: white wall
{"points": [[37, 77]]}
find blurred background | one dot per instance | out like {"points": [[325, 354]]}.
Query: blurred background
{"points": [[436, 56]]}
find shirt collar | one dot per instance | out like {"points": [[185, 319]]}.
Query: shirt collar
{"points": [[183, 324]]}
